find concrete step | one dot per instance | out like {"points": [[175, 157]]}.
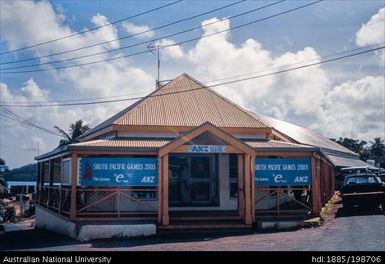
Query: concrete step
{"points": [[204, 226]]}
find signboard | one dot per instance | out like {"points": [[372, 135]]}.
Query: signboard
{"points": [[118, 172], [282, 172], [206, 149]]}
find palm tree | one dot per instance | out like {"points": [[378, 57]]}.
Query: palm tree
{"points": [[377, 149], [3, 186], [354, 145], [75, 131]]}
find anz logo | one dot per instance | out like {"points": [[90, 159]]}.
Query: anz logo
{"points": [[304, 179], [148, 179]]}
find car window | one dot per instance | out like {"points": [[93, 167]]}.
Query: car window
{"points": [[351, 180], [372, 180], [361, 180]]}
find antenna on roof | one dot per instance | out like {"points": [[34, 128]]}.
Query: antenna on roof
{"points": [[152, 48]]}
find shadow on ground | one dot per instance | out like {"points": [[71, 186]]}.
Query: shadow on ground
{"points": [[33, 238], [167, 237], [40, 239], [357, 211]]}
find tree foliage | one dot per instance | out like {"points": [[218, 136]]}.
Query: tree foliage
{"points": [[375, 151], [3, 186], [354, 145], [24, 173], [76, 129]]}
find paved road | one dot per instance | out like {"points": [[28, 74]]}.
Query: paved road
{"points": [[353, 231]]}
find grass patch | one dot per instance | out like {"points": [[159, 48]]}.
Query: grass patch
{"points": [[328, 207]]}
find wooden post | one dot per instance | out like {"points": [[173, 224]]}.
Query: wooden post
{"points": [[327, 180], [248, 218], [160, 184], [165, 217], [315, 187], [50, 182], [117, 189], [38, 181], [278, 200], [241, 188], [252, 183], [74, 172], [332, 179], [318, 163]]}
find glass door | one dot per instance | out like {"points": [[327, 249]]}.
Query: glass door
{"points": [[200, 180], [193, 180]]}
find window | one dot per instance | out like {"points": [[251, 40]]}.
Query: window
{"points": [[361, 180]]}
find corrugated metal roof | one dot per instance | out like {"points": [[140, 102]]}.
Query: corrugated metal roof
{"points": [[301, 135], [346, 162], [186, 102], [182, 102], [123, 143], [277, 144]]}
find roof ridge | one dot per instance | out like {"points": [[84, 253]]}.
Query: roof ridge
{"points": [[143, 100], [134, 108], [223, 98]]}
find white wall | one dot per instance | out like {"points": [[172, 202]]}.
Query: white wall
{"points": [[52, 222]]}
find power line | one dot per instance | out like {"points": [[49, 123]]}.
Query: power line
{"points": [[129, 36], [297, 63], [92, 29], [215, 85], [21, 103], [66, 100], [135, 44], [5, 121], [21, 120], [138, 43], [166, 46]]}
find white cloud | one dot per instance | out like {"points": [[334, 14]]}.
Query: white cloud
{"points": [[354, 109], [131, 28], [23, 23], [111, 78], [106, 32], [26, 23], [303, 96], [171, 51], [297, 91], [373, 31]]}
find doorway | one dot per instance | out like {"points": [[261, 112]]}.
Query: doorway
{"points": [[193, 180]]}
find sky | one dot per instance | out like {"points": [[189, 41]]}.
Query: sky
{"points": [[343, 98]]}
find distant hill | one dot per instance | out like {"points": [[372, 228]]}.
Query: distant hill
{"points": [[24, 173]]}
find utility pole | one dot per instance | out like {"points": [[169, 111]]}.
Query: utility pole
{"points": [[156, 48]]}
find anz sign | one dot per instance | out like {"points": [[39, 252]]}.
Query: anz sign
{"points": [[119, 171], [206, 149], [283, 172]]}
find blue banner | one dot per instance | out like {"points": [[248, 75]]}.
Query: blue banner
{"points": [[118, 172], [282, 172]]}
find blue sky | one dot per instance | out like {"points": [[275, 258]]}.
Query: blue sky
{"points": [[344, 98]]}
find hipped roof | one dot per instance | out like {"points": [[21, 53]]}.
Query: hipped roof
{"points": [[301, 135], [185, 102]]}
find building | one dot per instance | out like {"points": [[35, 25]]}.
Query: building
{"points": [[185, 157]]}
